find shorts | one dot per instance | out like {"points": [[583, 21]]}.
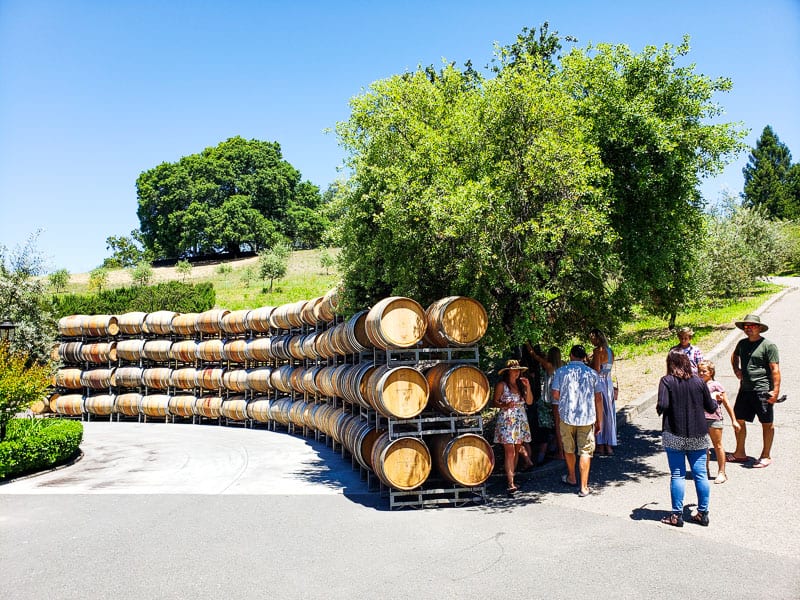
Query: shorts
{"points": [[578, 439], [749, 405], [715, 424]]}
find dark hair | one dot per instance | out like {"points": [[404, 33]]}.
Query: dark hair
{"points": [[554, 356], [599, 336], [578, 352], [678, 365]]}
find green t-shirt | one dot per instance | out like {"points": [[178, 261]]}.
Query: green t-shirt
{"points": [[754, 360]]}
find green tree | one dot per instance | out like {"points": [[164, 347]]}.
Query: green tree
{"points": [[769, 178], [326, 260], [126, 251], [58, 280], [184, 269], [22, 382], [237, 195], [142, 273], [98, 279], [273, 263]]}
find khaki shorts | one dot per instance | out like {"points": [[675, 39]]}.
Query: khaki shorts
{"points": [[578, 439]]}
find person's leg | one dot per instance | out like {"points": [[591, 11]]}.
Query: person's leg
{"points": [[697, 461], [768, 430], [568, 441], [585, 463], [569, 460], [557, 421], [741, 436], [715, 433], [524, 450], [510, 454], [586, 447], [677, 469]]}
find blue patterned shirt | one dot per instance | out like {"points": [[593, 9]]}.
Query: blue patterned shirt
{"points": [[694, 354], [576, 384]]}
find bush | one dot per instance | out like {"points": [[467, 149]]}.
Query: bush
{"points": [[35, 444], [171, 295], [21, 384]]}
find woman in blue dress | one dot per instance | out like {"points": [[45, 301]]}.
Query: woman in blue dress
{"points": [[602, 360]]}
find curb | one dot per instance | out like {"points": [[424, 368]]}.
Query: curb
{"points": [[78, 456], [628, 413]]}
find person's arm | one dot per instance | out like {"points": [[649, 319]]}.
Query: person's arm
{"points": [[735, 363], [708, 402], [597, 358], [498, 393], [723, 399], [526, 390], [598, 408], [542, 360], [775, 370], [663, 397]]}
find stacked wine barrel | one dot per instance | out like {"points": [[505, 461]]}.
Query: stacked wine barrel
{"points": [[395, 386]]}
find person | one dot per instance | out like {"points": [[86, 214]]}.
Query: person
{"points": [[685, 335], [578, 391], [511, 394], [602, 360], [707, 371], [547, 409], [756, 364], [683, 401]]}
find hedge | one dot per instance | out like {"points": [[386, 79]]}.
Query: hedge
{"points": [[35, 444], [170, 295]]}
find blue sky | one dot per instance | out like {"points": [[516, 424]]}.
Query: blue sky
{"points": [[92, 93]]}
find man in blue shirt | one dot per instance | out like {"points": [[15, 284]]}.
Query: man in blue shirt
{"points": [[579, 393]]}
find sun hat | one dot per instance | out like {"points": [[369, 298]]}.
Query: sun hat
{"points": [[754, 319], [682, 330], [512, 365]]}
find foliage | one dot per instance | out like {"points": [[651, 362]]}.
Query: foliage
{"points": [[273, 263], [248, 274], [237, 194], [224, 269], [36, 444], [551, 193], [21, 383], [142, 273], [58, 280], [326, 260], [184, 269], [791, 231], [22, 300], [171, 295], [770, 179], [126, 251], [98, 279]]}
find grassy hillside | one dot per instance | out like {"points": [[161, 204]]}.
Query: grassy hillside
{"points": [[236, 282]]}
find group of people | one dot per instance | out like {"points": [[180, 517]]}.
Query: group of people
{"points": [[576, 401], [574, 407], [690, 402]]}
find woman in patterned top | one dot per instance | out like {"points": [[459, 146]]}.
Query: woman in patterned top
{"points": [[511, 394]]}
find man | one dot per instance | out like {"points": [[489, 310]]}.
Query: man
{"points": [[755, 362], [685, 335], [577, 389]]}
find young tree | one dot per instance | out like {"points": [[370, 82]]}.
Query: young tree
{"points": [[58, 280], [768, 178], [326, 260], [126, 251], [273, 263], [22, 382], [184, 269], [98, 279], [142, 273]]}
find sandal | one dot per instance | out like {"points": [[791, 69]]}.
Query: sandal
{"points": [[511, 490], [673, 519], [721, 478], [736, 459], [701, 518]]}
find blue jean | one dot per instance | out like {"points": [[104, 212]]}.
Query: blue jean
{"points": [[677, 485]]}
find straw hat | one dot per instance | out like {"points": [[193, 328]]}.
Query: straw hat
{"points": [[754, 319], [512, 365]]}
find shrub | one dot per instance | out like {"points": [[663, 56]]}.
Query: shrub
{"points": [[20, 384], [142, 273], [36, 444]]}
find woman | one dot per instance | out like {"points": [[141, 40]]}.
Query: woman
{"points": [[683, 401], [706, 370], [602, 360], [547, 411], [685, 335], [511, 394]]}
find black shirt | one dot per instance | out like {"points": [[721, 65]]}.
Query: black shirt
{"points": [[683, 404]]}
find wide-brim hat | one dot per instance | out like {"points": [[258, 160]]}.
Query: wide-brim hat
{"points": [[512, 365], [754, 319]]}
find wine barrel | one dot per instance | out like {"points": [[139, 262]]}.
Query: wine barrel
{"points": [[401, 463], [310, 345], [308, 379], [157, 350], [235, 350], [97, 379], [100, 326], [156, 378], [99, 352], [325, 309], [259, 349], [41, 406], [395, 322], [68, 404], [279, 348], [466, 459], [235, 322], [102, 405], [307, 315], [210, 350], [295, 347], [398, 392], [209, 378], [357, 432], [457, 389], [324, 381], [210, 321], [71, 326], [128, 377], [258, 319], [130, 350], [69, 378], [296, 379], [234, 408], [280, 378], [70, 352], [208, 406], [296, 412], [355, 330], [235, 380], [287, 316], [455, 321], [258, 410], [129, 404], [355, 385], [184, 351], [159, 322], [182, 405], [259, 380], [155, 405], [279, 410], [183, 379], [131, 323], [184, 324]]}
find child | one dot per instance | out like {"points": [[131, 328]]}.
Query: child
{"points": [[706, 371]]}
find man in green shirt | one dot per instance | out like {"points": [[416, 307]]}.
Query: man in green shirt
{"points": [[755, 362]]}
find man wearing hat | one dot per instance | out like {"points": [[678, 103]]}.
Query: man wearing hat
{"points": [[755, 362], [579, 393]]}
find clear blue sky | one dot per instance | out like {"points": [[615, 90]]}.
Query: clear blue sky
{"points": [[92, 93]]}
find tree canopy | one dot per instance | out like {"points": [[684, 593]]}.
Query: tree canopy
{"points": [[240, 194], [770, 179], [555, 191]]}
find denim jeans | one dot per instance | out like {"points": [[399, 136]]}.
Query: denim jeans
{"points": [[677, 468]]}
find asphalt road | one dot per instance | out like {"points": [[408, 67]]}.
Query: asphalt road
{"points": [[190, 511]]}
